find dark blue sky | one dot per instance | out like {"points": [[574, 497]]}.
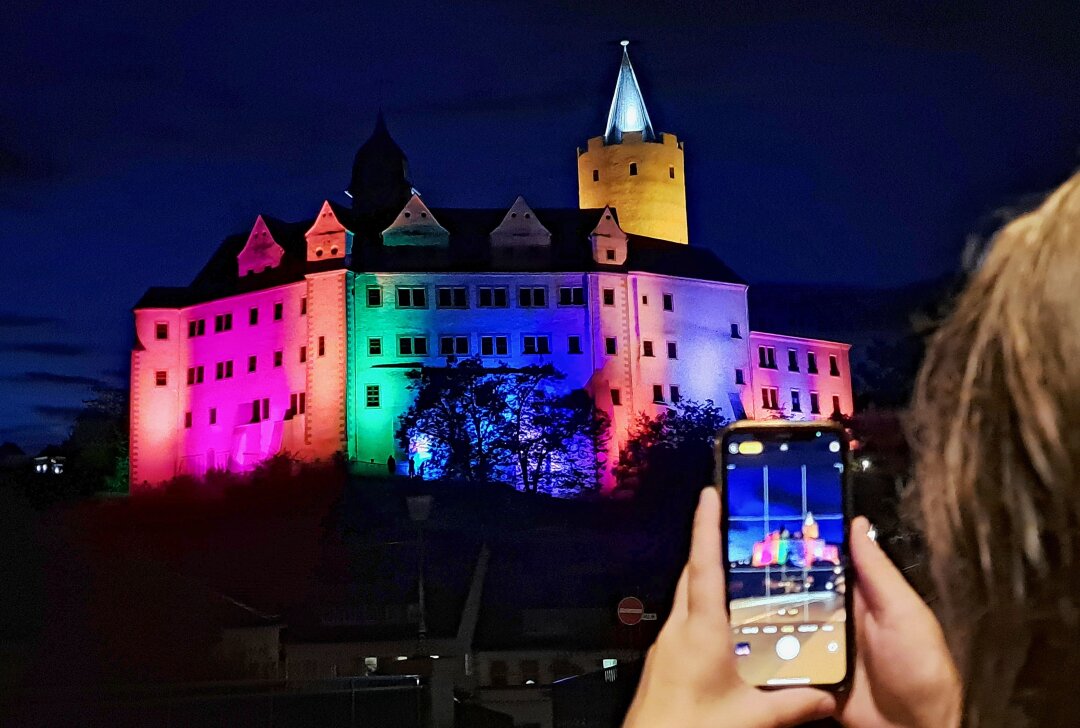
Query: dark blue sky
{"points": [[854, 143]]}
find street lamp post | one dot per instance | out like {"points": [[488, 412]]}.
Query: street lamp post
{"points": [[419, 512]]}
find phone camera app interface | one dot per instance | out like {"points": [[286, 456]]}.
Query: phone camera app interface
{"points": [[786, 560]]}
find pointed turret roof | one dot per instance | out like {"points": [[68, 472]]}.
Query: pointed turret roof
{"points": [[380, 174], [628, 112]]}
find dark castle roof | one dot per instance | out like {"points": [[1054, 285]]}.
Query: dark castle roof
{"points": [[469, 252]]}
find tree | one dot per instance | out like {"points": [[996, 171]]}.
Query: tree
{"points": [[516, 424], [672, 447]]}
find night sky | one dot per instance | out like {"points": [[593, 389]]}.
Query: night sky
{"points": [[847, 143]]}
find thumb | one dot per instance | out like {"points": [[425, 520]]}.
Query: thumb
{"points": [[795, 706]]}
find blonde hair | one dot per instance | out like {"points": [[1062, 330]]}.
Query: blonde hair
{"points": [[995, 427]]}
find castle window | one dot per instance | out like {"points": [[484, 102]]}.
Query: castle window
{"points": [[535, 344], [609, 254], [767, 357], [412, 346], [161, 378], [374, 296], [532, 297], [676, 395], [669, 302], [609, 296], [161, 331], [253, 363], [796, 405], [374, 346], [303, 305], [735, 332], [195, 375], [260, 410], [611, 345], [811, 362], [298, 403], [616, 397], [187, 420], [452, 297], [671, 172], [223, 322], [836, 405], [223, 370], [739, 378], [322, 346], [454, 345], [815, 404], [596, 175], [196, 328], [318, 252], [644, 300], [278, 357], [647, 348], [658, 393], [333, 250], [213, 415], [573, 345], [672, 350], [253, 316], [792, 360], [633, 169], [412, 297], [279, 310], [371, 395], [770, 398], [492, 297], [303, 354], [834, 366], [494, 346], [571, 296]]}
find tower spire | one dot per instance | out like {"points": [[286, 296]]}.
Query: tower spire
{"points": [[628, 112]]}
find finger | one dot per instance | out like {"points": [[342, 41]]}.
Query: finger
{"points": [[880, 582], [679, 607], [795, 706], [705, 588]]}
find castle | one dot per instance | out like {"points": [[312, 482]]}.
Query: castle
{"points": [[296, 337]]}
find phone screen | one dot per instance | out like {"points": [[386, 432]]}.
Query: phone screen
{"points": [[785, 552]]}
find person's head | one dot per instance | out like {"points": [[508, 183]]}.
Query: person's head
{"points": [[996, 433]]}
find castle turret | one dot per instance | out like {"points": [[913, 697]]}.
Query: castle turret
{"points": [[380, 174], [634, 169]]}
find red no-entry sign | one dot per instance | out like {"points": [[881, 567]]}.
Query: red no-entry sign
{"points": [[630, 611]]}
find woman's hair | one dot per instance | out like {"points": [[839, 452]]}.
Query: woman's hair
{"points": [[995, 428]]}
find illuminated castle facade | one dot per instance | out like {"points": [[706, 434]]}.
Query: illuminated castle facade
{"points": [[297, 337]]}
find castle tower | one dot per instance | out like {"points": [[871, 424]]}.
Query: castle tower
{"points": [[380, 174], [633, 169]]}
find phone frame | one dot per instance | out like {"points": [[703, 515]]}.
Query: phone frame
{"points": [[770, 429]]}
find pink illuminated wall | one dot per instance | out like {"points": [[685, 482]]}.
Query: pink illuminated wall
{"points": [[800, 371]]}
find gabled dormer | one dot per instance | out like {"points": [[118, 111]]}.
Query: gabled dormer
{"points": [[519, 238], [608, 240], [416, 226], [261, 252], [328, 238]]}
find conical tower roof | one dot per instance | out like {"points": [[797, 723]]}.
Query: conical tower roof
{"points": [[628, 112], [380, 173]]}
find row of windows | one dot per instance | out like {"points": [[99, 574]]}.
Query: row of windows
{"points": [[499, 345], [767, 360], [770, 399], [224, 321], [494, 297], [633, 169], [260, 410], [224, 369], [657, 394]]}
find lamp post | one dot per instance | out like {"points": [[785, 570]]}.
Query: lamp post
{"points": [[419, 511]]}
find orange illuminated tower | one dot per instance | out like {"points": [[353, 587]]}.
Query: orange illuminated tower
{"points": [[633, 169]]}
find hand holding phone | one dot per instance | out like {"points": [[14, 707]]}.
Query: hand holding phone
{"points": [[786, 515]]}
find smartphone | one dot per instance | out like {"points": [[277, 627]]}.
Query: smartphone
{"points": [[785, 524]]}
